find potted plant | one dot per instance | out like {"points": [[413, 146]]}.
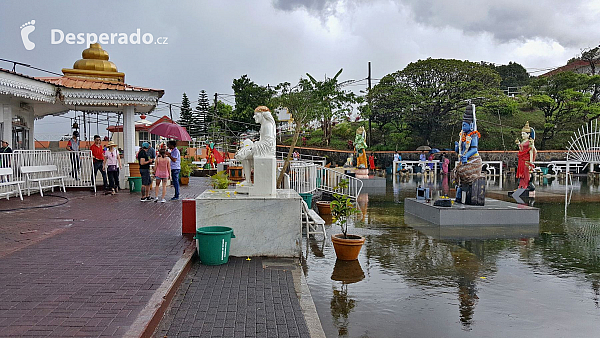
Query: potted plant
{"points": [[346, 246], [184, 173], [220, 180]]}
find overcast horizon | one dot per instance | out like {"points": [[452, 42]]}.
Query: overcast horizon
{"points": [[209, 43]]}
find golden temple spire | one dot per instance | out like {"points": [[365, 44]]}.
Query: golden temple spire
{"points": [[95, 65]]}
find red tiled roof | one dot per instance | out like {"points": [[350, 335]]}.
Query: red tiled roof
{"points": [[80, 83], [569, 67], [139, 127]]}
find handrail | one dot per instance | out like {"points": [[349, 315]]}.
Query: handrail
{"points": [[328, 180], [306, 177]]}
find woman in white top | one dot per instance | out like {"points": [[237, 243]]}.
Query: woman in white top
{"points": [[112, 164]]}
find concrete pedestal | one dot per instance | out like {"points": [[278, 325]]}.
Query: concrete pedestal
{"points": [[262, 226], [265, 170], [494, 212]]}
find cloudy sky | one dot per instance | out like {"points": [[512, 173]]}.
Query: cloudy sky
{"points": [[209, 43]]}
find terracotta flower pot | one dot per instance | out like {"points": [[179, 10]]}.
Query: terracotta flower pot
{"points": [[324, 207], [184, 180], [347, 249]]}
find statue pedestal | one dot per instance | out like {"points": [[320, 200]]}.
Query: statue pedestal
{"points": [[361, 173], [265, 169], [263, 226]]}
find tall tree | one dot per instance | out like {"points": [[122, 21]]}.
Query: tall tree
{"points": [[201, 115], [303, 104], [334, 102], [185, 114], [592, 57], [512, 75], [426, 95], [248, 96], [563, 98]]}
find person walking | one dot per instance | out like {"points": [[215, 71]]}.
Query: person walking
{"points": [[145, 162], [162, 172], [112, 165], [175, 157], [98, 159], [73, 145]]}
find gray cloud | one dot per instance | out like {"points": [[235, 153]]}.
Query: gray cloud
{"points": [[509, 20]]}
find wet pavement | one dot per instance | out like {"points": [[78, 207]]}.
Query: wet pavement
{"points": [[413, 279], [243, 298], [89, 265]]}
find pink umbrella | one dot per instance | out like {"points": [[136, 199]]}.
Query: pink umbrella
{"points": [[170, 130]]}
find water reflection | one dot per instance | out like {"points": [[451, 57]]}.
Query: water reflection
{"points": [[347, 272], [464, 280]]}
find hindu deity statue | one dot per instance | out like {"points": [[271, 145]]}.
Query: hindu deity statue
{"points": [[360, 145], [468, 169], [527, 154]]}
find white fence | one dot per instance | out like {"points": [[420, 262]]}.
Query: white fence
{"points": [[307, 177], [76, 166]]}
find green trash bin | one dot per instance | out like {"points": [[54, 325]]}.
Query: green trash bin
{"points": [[135, 184], [213, 244], [544, 170], [307, 197]]}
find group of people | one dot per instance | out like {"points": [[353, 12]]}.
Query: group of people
{"points": [[107, 161], [167, 166]]}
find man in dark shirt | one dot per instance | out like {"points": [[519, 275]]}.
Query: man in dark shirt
{"points": [[145, 162], [98, 156], [5, 148]]}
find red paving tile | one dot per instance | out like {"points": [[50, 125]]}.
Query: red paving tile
{"points": [[88, 267]]}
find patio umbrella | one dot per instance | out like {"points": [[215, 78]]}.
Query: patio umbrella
{"points": [[170, 130], [424, 148], [434, 150]]}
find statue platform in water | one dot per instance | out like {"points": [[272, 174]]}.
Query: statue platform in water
{"points": [[495, 212]]}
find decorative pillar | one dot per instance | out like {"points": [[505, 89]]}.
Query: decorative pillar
{"points": [[30, 119], [7, 124], [129, 134]]}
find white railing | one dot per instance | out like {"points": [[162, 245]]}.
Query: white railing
{"points": [[77, 166], [306, 177], [6, 161], [328, 179], [66, 162], [282, 155]]}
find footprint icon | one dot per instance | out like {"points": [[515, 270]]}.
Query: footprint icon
{"points": [[26, 29]]}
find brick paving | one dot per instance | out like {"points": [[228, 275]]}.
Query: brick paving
{"points": [[239, 299], [88, 267]]}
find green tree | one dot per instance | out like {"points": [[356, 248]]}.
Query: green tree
{"points": [[335, 102], [563, 98], [303, 103], [426, 95], [185, 114], [248, 96], [221, 114], [512, 75], [592, 56], [201, 116]]}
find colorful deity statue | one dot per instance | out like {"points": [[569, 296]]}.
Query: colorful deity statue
{"points": [[468, 169], [527, 154], [360, 145]]}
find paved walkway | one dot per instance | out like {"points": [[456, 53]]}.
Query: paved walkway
{"points": [[243, 298], [86, 268]]}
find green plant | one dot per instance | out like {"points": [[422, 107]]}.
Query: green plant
{"points": [[186, 168], [342, 207], [220, 180]]}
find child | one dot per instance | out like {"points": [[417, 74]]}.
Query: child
{"points": [[162, 172]]}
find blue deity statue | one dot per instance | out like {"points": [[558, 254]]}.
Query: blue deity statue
{"points": [[468, 169]]}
